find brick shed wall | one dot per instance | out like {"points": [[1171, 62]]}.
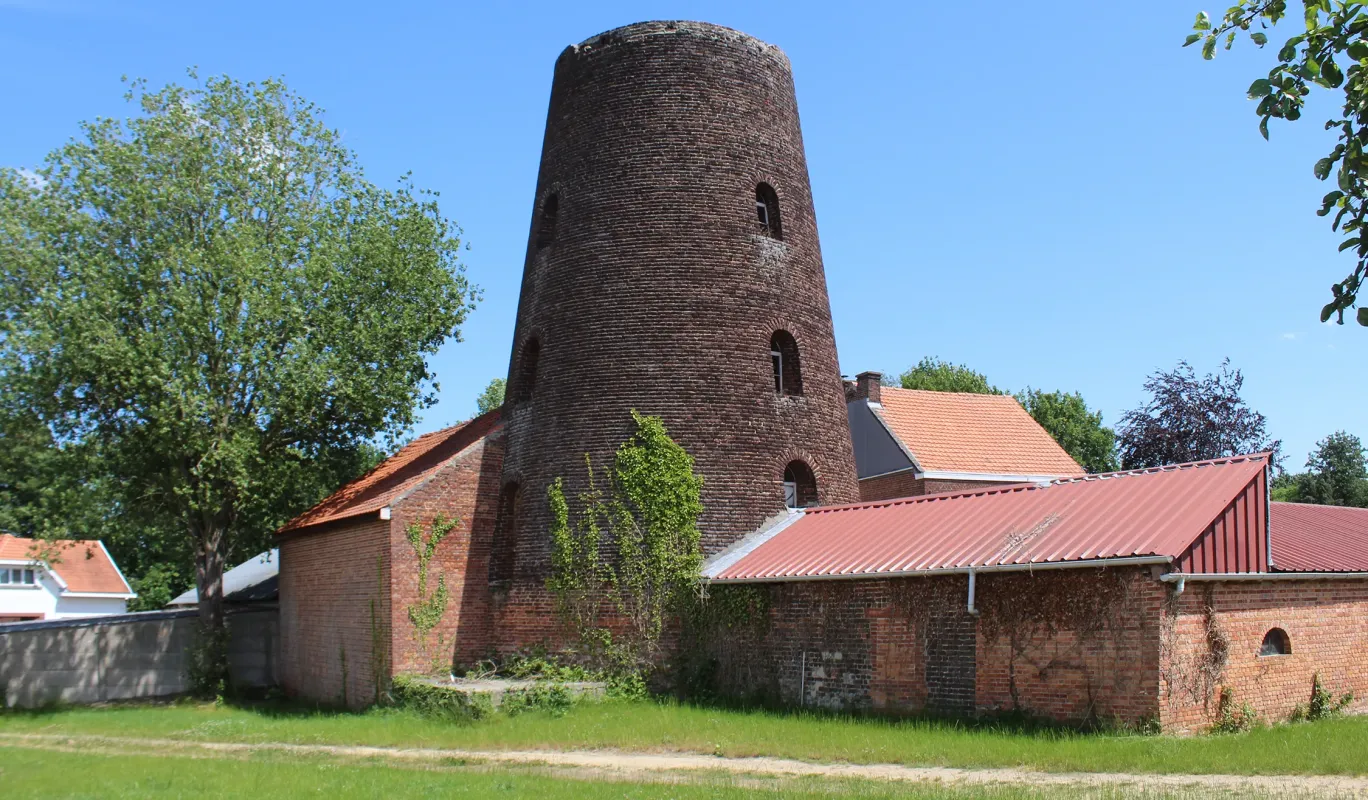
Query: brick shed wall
{"points": [[465, 488], [1327, 622], [906, 484], [909, 645], [1070, 645], [328, 577]]}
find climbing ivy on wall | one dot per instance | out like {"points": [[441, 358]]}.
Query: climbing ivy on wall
{"points": [[427, 611], [634, 544]]}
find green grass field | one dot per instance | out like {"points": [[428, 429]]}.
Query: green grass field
{"points": [[1332, 747], [33, 774]]}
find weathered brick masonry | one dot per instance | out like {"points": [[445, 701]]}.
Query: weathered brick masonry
{"points": [[1325, 620], [329, 575], [1071, 645]]}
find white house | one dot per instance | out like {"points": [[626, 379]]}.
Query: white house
{"points": [[58, 579]]}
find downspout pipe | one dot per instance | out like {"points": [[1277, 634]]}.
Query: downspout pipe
{"points": [[973, 582]]}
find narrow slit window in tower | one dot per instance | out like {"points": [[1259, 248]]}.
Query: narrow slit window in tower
{"points": [[800, 486], [546, 220], [784, 363], [767, 211], [525, 378]]}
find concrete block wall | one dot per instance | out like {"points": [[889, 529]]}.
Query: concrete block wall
{"points": [[125, 657]]}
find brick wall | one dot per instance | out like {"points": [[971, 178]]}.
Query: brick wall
{"points": [[328, 577], [905, 484], [909, 645], [466, 488], [1326, 621]]}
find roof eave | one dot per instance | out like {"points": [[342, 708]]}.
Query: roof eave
{"points": [[1120, 561]]}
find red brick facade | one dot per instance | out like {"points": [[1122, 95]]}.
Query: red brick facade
{"points": [[330, 574], [1117, 646], [907, 484], [1326, 622]]}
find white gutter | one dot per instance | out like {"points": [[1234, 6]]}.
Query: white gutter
{"points": [[1182, 577], [917, 573], [946, 475], [102, 595], [385, 512]]}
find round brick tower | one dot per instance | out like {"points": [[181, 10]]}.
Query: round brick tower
{"points": [[673, 268]]}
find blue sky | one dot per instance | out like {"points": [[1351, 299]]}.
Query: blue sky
{"points": [[1065, 199]]}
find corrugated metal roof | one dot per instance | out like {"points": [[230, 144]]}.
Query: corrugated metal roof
{"points": [[413, 464], [962, 432], [1309, 538], [1156, 512]]}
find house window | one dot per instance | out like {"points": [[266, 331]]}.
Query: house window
{"points": [[784, 364], [800, 486], [502, 550], [546, 221], [1276, 643], [17, 576], [525, 377], [767, 211]]}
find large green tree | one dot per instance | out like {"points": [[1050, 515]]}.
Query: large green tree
{"points": [[933, 374], [1328, 50], [1074, 426], [492, 397], [213, 295], [1336, 474]]}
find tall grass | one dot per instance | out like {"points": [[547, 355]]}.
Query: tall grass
{"points": [[1337, 746]]}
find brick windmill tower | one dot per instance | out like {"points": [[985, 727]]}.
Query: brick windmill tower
{"points": [[672, 267]]}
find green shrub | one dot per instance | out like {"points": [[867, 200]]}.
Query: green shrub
{"points": [[1323, 704], [435, 701], [1230, 719], [552, 697]]}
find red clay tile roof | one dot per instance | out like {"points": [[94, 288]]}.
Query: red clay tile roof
{"points": [[1309, 538], [1157, 512], [83, 565], [984, 433], [414, 463]]}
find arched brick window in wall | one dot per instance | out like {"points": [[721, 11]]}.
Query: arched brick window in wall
{"points": [[1276, 643], [767, 211], [525, 377], [546, 220], [501, 553], [785, 364], [800, 485]]}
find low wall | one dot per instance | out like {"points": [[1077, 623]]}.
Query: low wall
{"points": [[126, 657]]}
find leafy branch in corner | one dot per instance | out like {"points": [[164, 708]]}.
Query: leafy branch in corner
{"points": [[1334, 29]]}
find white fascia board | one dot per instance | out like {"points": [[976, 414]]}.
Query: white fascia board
{"points": [[34, 563], [1123, 561], [946, 475], [1175, 577], [115, 564], [102, 595]]}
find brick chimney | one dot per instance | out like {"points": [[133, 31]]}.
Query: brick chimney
{"points": [[867, 386]]}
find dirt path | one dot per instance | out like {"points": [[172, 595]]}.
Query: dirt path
{"points": [[651, 766]]}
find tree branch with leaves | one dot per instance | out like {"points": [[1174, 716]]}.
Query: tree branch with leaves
{"points": [[1330, 53]]}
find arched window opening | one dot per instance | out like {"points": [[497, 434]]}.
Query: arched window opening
{"points": [[546, 220], [785, 365], [800, 486], [767, 211], [502, 550], [1276, 643], [525, 379]]}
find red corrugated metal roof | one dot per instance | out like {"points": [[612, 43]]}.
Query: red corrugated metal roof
{"points": [[83, 565], [396, 475], [1309, 538], [1157, 512]]}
